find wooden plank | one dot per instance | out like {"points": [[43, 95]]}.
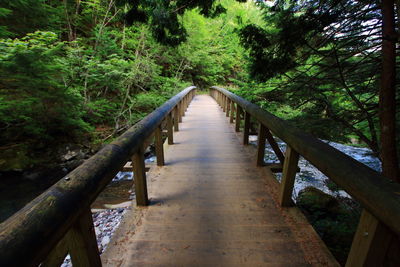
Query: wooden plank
{"points": [[159, 145], [246, 128], [82, 243], [224, 103], [209, 213], [232, 115], [176, 118], [275, 146], [170, 127], [140, 178], [57, 255], [370, 243], [288, 177], [374, 191], [261, 145], [238, 119]]}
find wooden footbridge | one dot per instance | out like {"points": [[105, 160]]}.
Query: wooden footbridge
{"points": [[210, 201]]}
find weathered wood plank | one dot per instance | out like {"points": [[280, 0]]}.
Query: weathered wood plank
{"points": [[288, 177], [261, 145], [82, 244], [176, 118], [274, 146], [238, 118], [246, 128], [375, 192], [370, 243], [228, 107], [140, 178], [159, 145], [170, 129], [57, 255], [211, 207], [232, 115]]}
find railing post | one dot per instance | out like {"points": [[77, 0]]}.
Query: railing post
{"points": [[237, 120], [82, 243], [170, 127], [228, 106], [159, 146], [183, 108], [180, 111], [288, 177], [370, 243], [57, 255], [261, 144], [140, 177], [224, 99], [246, 128], [176, 118], [232, 111]]}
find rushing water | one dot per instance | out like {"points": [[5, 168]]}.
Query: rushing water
{"points": [[311, 176]]}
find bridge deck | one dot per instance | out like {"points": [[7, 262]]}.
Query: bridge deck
{"points": [[210, 206]]}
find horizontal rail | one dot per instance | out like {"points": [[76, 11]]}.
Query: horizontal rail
{"points": [[377, 194], [29, 235]]}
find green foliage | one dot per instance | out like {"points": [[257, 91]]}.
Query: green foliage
{"points": [[36, 104], [89, 70], [19, 17]]}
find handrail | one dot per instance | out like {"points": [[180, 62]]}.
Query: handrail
{"points": [[29, 235], [377, 194]]}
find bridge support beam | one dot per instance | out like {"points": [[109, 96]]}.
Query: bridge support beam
{"points": [[176, 118], [288, 177], [170, 127], [232, 115], [238, 119], [246, 129], [82, 243], [228, 106], [370, 243], [261, 145], [158, 142], [139, 171]]}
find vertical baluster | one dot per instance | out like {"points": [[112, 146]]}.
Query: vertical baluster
{"points": [[224, 99], [159, 146], [261, 144], [82, 243], [57, 255], [170, 130], [237, 120], [288, 177], [228, 106], [176, 118], [140, 177], [371, 242], [180, 111], [246, 128], [232, 111]]}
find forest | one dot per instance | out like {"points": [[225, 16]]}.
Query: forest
{"points": [[84, 71], [78, 73]]}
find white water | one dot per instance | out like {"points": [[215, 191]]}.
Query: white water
{"points": [[311, 176]]}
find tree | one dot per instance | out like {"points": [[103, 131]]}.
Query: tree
{"points": [[327, 57]]}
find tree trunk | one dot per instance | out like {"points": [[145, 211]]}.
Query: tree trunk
{"points": [[387, 94]]}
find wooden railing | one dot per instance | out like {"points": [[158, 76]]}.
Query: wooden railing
{"points": [[379, 196], [59, 221]]}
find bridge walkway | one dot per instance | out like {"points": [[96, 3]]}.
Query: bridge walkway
{"points": [[210, 206]]}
